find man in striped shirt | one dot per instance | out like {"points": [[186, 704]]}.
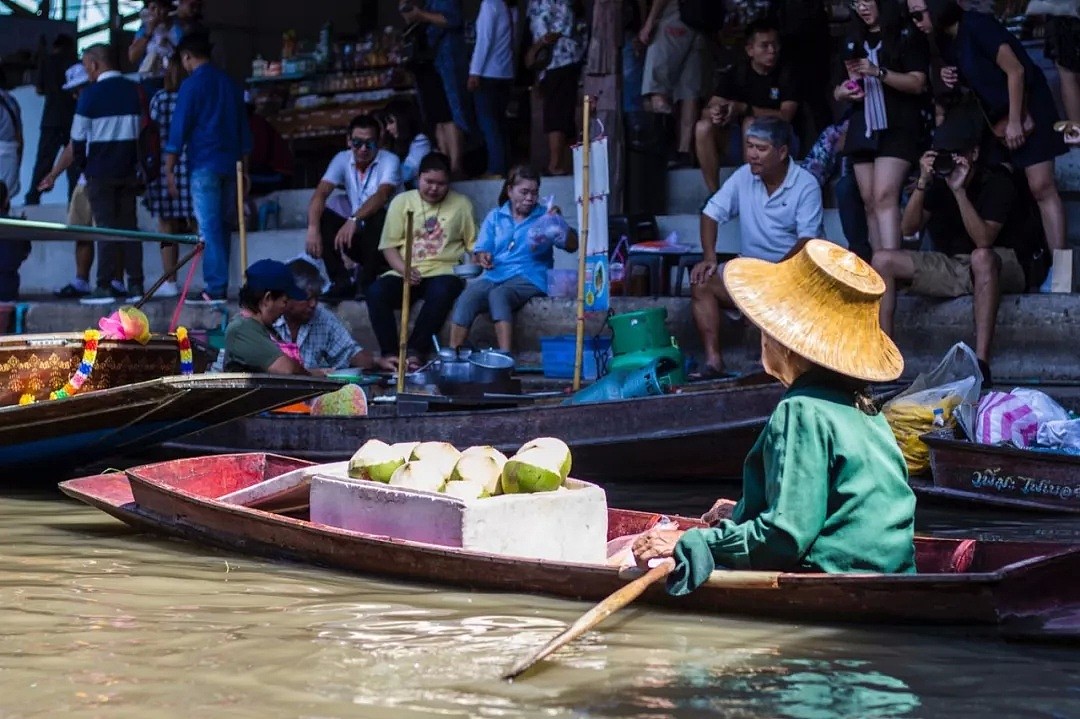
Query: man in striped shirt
{"points": [[105, 133]]}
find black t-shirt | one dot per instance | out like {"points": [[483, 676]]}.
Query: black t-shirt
{"points": [[59, 107], [996, 199], [743, 84], [907, 52]]}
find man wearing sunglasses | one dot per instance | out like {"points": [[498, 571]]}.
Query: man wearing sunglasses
{"points": [[351, 223]]}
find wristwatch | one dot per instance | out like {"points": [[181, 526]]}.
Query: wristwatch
{"points": [[882, 73]]}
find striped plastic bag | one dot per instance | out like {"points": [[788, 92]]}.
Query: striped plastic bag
{"points": [[1004, 418]]}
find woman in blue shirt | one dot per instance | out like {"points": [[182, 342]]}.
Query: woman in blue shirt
{"points": [[981, 54], [515, 265]]}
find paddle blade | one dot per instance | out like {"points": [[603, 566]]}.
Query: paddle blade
{"points": [[618, 599]]}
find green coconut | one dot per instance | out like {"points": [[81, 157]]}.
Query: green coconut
{"points": [[375, 460], [555, 445], [404, 449], [535, 470], [445, 455], [422, 474], [479, 468], [465, 490], [486, 451]]}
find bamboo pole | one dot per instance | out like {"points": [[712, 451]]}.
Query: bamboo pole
{"points": [[406, 298], [583, 245], [240, 217]]}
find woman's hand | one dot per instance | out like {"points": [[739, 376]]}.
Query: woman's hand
{"points": [[473, 83], [414, 276], [644, 35], [926, 166], [484, 260], [655, 544], [721, 509], [849, 90], [863, 67], [1014, 135], [950, 76]]}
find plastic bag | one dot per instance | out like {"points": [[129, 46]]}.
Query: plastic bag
{"points": [[1060, 434], [953, 387], [1045, 407], [1004, 417], [549, 230]]}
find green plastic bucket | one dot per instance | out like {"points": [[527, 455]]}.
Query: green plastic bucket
{"points": [[639, 330]]}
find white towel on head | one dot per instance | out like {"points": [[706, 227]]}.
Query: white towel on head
{"points": [[874, 100]]}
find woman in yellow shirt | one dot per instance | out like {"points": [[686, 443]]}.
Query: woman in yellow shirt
{"points": [[443, 230]]}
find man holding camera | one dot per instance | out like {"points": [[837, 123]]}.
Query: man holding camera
{"points": [[975, 215]]}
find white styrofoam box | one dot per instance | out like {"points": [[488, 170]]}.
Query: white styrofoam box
{"points": [[568, 526]]}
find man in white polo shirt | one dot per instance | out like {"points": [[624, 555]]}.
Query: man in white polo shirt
{"points": [[779, 207], [352, 223]]}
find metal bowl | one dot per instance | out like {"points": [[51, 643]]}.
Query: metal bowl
{"points": [[490, 359], [468, 271]]}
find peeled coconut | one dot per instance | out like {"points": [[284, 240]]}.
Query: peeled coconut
{"points": [[404, 449], [465, 489], [535, 470], [555, 445], [486, 451], [444, 455], [375, 460], [480, 469], [422, 474]]}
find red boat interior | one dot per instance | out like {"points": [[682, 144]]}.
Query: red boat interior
{"points": [[216, 476]]}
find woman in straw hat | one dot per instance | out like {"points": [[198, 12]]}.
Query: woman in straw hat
{"points": [[825, 486]]}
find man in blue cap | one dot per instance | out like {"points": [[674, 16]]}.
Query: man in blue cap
{"points": [[251, 345]]}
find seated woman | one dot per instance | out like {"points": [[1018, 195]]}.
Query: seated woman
{"points": [[404, 138], [825, 487], [251, 345], [515, 264], [443, 230]]}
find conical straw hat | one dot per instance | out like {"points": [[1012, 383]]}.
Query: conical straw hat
{"points": [[821, 304]]}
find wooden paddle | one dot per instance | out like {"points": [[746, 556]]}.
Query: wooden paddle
{"points": [[594, 616], [406, 297]]}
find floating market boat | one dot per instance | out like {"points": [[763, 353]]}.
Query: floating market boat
{"points": [[1028, 590], [56, 436], [702, 432], [999, 476]]}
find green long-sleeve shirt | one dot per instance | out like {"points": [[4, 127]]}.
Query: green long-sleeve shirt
{"points": [[824, 490]]}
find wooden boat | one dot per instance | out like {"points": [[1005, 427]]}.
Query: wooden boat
{"points": [[1025, 589], [999, 476], [40, 364], [61, 435], [696, 434]]}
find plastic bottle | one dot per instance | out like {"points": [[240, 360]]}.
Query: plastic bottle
{"points": [[617, 270], [939, 417], [258, 66]]}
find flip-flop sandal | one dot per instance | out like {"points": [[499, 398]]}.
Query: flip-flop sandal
{"points": [[710, 374]]}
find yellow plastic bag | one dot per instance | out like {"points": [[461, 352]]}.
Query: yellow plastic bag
{"points": [[913, 416]]}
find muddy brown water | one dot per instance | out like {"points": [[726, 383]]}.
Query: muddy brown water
{"points": [[98, 620]]}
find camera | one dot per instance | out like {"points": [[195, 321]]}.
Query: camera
{"points": [[944, 164]]}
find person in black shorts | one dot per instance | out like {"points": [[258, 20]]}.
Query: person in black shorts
{"points": [[758, 86], [885, 63]]}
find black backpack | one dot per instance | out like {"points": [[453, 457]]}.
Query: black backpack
{"points": [[706, 16]]}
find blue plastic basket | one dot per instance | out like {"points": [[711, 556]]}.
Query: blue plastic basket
{"points": [[557, 354]]}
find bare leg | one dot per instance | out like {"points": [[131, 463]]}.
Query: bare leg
{"points": [[688, 117], [455, 144], [556, 153], [985, 279], [889, 174], [892, 265], [707, 147], [864, 178], [458, 335], [84, 259], [1044, 189], [705, 302], [504, 335], [1070, 93]]}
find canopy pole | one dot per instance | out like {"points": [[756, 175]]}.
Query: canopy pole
{"points": [[240, 219], [583, 245], [406, 299]]}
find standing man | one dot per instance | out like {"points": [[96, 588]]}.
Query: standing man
{"points": [[210, 122], [778, 205], [353, 223], [56, 116], [104, 139], [11, 139]]}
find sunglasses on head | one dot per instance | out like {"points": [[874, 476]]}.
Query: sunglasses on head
{"points": [[918, 15], [359, 143]]}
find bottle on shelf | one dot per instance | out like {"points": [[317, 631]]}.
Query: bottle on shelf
{"points": [[258, 66]]}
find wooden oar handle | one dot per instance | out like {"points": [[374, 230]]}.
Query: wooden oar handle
{"points": [[618, 599]]}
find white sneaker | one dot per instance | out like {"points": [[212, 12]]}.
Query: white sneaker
{"points": [[1044, 288], [167, 290]]}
